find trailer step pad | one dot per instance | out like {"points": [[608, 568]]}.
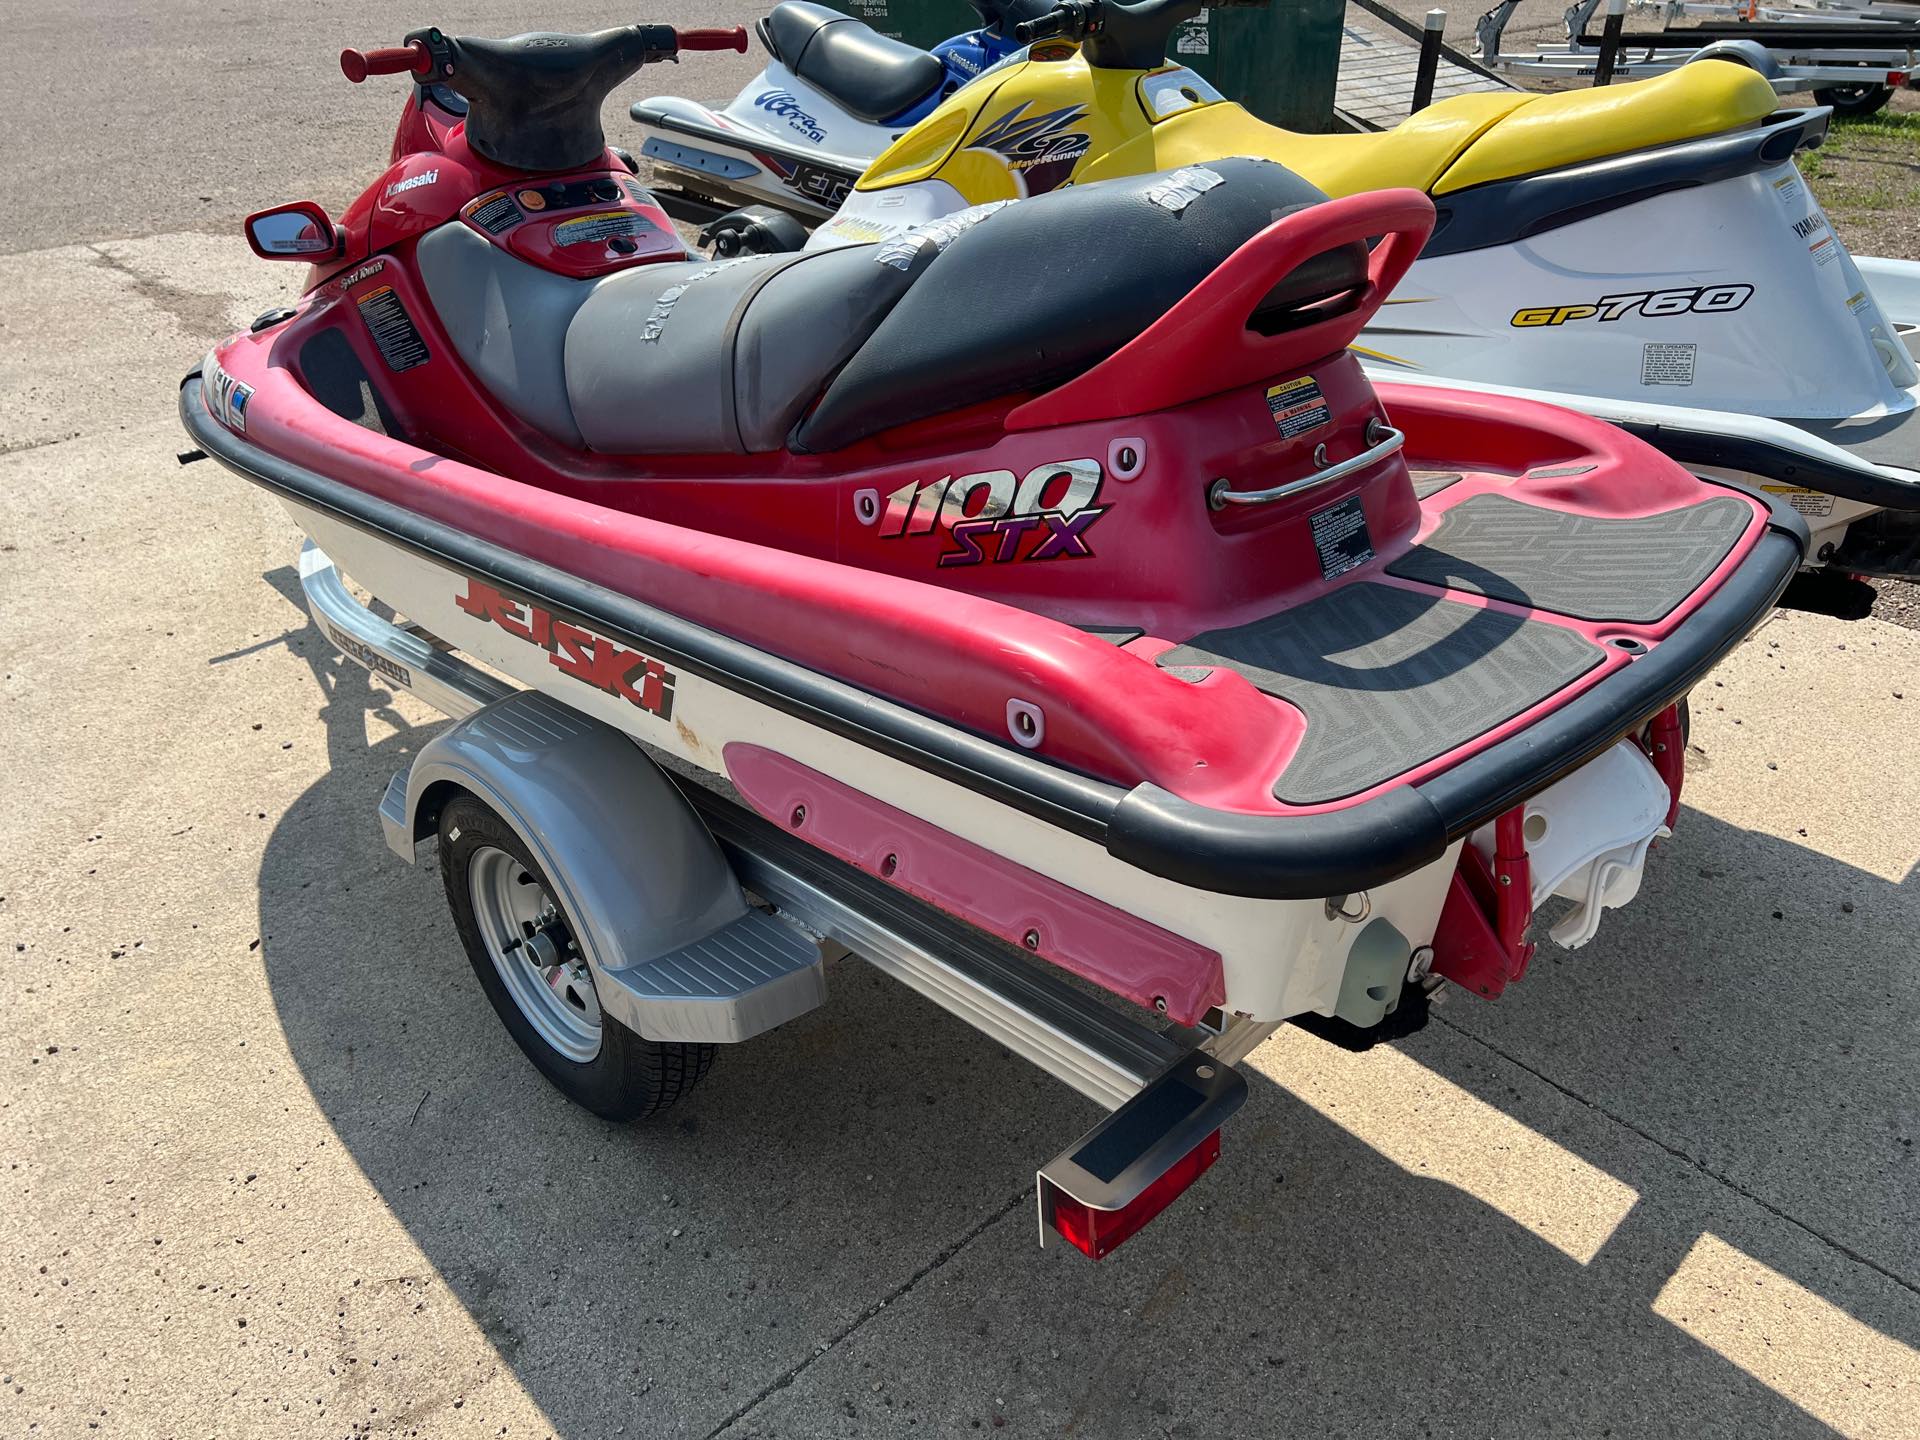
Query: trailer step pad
{"points": [[745, 978]]}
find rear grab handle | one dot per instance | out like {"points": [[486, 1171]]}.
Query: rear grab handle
{"points": [[1203, 346]]}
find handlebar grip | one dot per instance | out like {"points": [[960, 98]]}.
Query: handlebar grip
{"points": [[727, 39], [1053, 23], [357, 65]]}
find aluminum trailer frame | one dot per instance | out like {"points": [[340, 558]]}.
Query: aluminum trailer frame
{"points": [[1788, 63], [1168, 1087]]}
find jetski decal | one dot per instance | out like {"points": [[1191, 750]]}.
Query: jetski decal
{"points": [[787, 107], [574, 650], [1653, 304], [365, 272], [994, 516], [227, 398]]}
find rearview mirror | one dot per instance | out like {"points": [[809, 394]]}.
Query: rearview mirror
{"points": [[300, 231]]}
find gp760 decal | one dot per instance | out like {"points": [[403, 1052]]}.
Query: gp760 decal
{"points": [[625, 674], [1654, 304]]}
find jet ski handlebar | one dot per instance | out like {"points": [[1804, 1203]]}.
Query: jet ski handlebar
{"points": [[1117, 36], [415, 57], [533, 102]]}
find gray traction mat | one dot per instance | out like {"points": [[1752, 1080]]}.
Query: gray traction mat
{"points": [[1389, 678], [1579, 565]]}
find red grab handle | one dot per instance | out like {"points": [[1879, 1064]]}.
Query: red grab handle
{"points": [[1202, 346], [722, 39], [357, 65]]}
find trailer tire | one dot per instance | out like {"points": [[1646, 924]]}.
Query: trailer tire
{"points": [[591, 1058], [1854, 100]]}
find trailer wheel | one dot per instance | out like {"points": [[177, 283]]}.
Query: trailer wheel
{"points": [[1854, 100], [521, 945]]}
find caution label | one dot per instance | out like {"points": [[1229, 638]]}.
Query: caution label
{"points": [[601, 225], [494, 213], [1297, 406], [1810, 503], [392, 329], [1665, 364]]}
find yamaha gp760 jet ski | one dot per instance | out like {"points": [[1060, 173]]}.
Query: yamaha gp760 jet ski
{"points": [[835, 93], [1119, 627], [1648, 253]]}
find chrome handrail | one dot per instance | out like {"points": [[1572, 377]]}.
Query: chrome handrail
{"points": [[1382, 441]]}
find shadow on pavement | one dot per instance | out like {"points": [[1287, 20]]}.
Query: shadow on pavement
{"points": [[664, 1277]]}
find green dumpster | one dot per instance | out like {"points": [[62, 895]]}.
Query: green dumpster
{"points": [[1278, 59]]}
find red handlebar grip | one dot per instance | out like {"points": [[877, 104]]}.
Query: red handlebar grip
{"points": [[357, 65], [734, 39]]}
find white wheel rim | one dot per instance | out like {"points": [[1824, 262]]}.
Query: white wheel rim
{"points": [[534, 952]]}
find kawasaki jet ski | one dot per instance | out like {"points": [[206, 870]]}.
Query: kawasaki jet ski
{"points": [[1648, 253], [835, 93], [1041, 604]]}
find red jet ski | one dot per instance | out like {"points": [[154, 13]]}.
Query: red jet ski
{"points": [[1044, 593]]}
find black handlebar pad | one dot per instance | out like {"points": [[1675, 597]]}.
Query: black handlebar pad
{"points": [[533, 102], [1115, 36]]}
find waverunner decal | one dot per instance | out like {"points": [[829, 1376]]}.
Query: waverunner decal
{"points": [[574, 650], [1652, 304], [994, 516], [1041, 148]]}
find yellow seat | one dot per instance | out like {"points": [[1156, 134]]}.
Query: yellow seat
{"points": [[1466, 140], [1415, 153], [1578, 125]]}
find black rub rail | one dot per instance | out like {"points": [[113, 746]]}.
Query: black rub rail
{"points": [[1291, 857]]}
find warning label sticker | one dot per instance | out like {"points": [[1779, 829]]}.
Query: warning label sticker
{"points": [[1297, 406], [601, 225], [392, 329], [1807, 502], [1340, 536], [1788, 189], [1825, 250], [493, 213], [1667, 364]]}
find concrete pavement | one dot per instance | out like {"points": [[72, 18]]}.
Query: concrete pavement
{"points": [[271, 1167]]}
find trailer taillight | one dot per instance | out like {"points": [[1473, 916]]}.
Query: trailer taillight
{"points": [[1099, 1233], [1114, 1179]]}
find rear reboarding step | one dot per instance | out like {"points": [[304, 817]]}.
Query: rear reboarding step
{"points": [[1169, 1087], [1391, 677]]}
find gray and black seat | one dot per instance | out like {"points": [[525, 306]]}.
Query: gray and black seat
{"points": [[870, 75], [820, 350]]}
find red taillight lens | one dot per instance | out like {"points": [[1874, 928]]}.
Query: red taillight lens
{"points": [[1098, 1233], [1897, 79]]}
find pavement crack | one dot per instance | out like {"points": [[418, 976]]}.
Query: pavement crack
{"points": [[940, 1258], [199, 312], [1719, 1177], [20, 447]]}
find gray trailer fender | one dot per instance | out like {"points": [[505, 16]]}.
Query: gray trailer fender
{"points": [[676, 952]]}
